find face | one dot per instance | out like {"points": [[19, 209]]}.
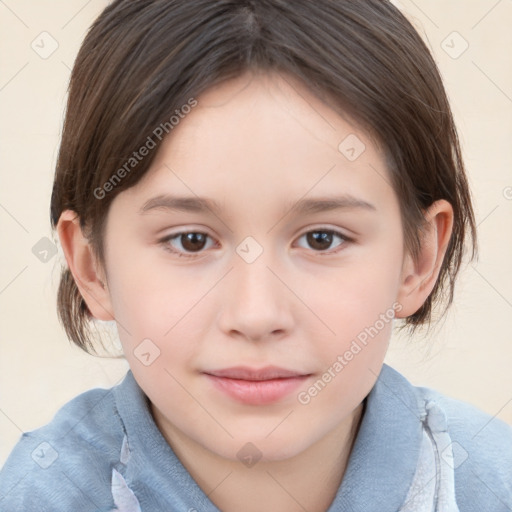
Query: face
{"points": [[294, 263]]}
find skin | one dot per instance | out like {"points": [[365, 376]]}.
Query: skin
{"points": [[255, 144]]}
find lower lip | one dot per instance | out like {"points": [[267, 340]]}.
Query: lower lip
{"points": [[257, 392]]}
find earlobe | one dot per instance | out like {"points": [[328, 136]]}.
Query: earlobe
{"points": [[83, 265], [419, 275]]}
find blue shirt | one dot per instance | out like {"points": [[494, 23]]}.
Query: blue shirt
{"points": [[416, 450]]}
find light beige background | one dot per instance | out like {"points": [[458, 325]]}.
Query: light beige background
{"points": [[470, 355]]}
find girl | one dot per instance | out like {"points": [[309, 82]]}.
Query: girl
{"points": [[309, 151]]}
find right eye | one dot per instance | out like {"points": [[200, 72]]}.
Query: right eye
{"points": [[190, 241]]}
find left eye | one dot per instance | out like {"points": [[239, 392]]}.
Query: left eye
{"points": [[322, 239], [194, 241]]}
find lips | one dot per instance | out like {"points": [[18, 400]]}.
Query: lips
{"points": [[246, 373], [256, 386]]}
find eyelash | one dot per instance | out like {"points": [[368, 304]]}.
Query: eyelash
{"points": [[165, 242]]}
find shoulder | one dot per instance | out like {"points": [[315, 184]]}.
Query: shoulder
{"points": [[67, 462], [482, 452]]}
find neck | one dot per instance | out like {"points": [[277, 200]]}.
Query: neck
{"points": [[307, 481]]}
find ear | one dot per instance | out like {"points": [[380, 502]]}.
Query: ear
{"points": [[87, 272], [419, 276]]}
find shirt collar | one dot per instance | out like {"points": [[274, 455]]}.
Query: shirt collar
{"points": [[384, 457], [153, 471]]}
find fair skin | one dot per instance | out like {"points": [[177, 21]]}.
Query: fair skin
{"points": [[255, 145]]}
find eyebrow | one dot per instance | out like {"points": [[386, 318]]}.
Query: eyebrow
{"points": [[324, 204], [302, 206]]}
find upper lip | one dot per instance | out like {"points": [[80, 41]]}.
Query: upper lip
{"points": [[247, 373]]}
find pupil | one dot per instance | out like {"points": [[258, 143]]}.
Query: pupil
{"points": [[190, 240], [320, 239]]}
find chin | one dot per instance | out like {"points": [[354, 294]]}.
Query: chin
{"points": [[259, 445]]}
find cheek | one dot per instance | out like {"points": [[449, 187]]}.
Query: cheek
{"points": [[149, 294], [361, 320], [156, 311], [358, 303], [361, 316], [356, 296]]}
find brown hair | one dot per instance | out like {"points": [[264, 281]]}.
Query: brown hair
{"points": [[142, 60]]}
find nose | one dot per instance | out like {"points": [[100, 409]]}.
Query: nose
{"points": [[256, 303]]}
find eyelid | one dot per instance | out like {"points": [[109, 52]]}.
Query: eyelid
{"points": [[345, 233]]}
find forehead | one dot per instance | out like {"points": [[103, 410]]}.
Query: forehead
{"points": [[266, 136], [269, 111]]}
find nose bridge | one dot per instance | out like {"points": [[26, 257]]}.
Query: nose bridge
{"points": [[256, 303], [254, 281]]}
